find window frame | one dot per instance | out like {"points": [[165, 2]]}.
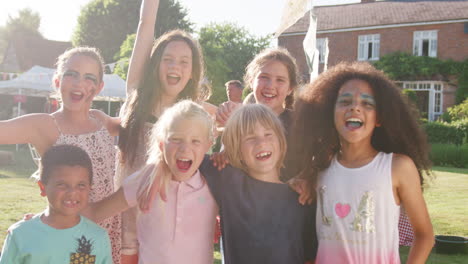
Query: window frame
{"points": [[419, 37], [366, 41]]}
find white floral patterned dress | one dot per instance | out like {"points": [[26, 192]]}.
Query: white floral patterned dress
{"points": [[100, 147]]}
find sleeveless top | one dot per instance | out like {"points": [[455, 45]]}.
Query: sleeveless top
{"points": [[357, 217], [99, 145]]}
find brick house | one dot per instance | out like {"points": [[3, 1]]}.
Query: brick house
{"points": [[367, 30]]}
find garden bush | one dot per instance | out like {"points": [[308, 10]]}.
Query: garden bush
{"points": [[448, 133], [449, 155]]}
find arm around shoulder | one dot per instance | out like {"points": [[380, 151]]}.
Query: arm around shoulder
{"points": [[107, 207], [407, 183]]}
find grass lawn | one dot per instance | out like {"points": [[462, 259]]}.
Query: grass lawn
{"points": [[446, 197]]}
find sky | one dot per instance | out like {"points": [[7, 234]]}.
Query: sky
{"points": [[260, 17]]}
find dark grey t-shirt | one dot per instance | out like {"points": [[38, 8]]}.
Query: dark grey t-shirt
{"points": [[261, 222]]}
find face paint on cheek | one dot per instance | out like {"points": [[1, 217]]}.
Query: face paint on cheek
{"points": [[369, 99], [91, 95]]}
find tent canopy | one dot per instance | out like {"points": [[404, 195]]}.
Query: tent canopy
{"points": [[37, 81]]}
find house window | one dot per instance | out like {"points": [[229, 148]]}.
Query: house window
{"points": [[425, 43], [369, 47], [429, 97], [322, 44]]}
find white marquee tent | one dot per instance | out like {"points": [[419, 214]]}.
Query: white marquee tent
{"points": [[38, 82]]}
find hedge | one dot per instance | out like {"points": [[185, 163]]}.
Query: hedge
{"points": [[449, 155], [449, 133]]}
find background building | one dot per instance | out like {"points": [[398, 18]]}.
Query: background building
{"points": [[368, 30]]}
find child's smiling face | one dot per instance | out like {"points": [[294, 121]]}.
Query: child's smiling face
{"points": [[175, 68], [80, 82], [271, 85], [355, 112], [185, 146], [67, 190], [260, 152]]}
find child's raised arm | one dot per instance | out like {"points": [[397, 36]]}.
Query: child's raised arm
{"points": [[409, 194], [143, 43], [36, 129]]}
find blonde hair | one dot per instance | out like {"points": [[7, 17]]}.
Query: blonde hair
{"points": [[179, 112], [242, 122]]}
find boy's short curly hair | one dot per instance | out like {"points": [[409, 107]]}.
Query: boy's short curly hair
{"points": [[64, 155]]}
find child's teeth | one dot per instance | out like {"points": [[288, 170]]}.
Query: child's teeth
{"points": [[354, 120], [268, 95], [264, 154]]}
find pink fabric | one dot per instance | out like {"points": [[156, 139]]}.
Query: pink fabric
{"points": [[180, 230], [357, 217]]}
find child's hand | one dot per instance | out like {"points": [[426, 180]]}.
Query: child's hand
{"points": [[129, 259], [224, 111], [219, 160], [303, 188], [151, 189], [28, 216]]}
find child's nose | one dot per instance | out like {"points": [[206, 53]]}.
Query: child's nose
{"points": [[183, 147]]}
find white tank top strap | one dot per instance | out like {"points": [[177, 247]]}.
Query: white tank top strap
{"points": [[56, 124]]}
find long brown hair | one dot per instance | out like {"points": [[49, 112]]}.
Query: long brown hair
{"points": [[315, 139], [141, 102]]}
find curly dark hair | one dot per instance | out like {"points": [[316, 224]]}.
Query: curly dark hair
{"points": [[315, 138], [141, 101], [64, 155]]}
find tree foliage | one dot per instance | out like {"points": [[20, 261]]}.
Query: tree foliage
{"points": [[105, 24], [228, 49], [27, 22]]}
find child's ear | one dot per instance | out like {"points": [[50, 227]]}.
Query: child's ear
{"points": [[42, 188], [57, 82], [161, 146], [378, 123], [99, 89]]}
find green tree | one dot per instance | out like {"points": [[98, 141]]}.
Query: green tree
{"points": [[105, 24], [228, 49], [27, 22]]}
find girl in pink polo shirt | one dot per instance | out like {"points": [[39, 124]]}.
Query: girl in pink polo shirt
{"points": [[181, 229]]}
